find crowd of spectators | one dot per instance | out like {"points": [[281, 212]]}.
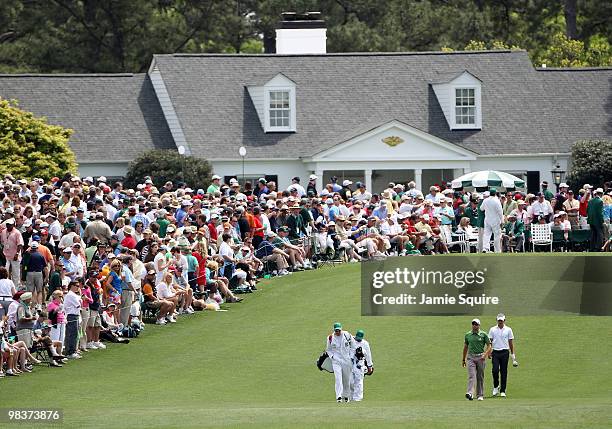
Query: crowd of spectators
{"points": [[82, 259]]}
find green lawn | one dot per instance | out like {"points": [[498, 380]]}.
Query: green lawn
{"points": [[254, 366]]}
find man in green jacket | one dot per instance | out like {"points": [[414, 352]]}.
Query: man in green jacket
{"points": [[547, 194], [480, 222], [595, 218], [472, 212], [513, 234]]}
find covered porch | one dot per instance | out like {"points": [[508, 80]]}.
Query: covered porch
{"points": [[392, 152], [376, 180]]}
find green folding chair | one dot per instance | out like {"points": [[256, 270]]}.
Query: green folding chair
{"points": [[580, 239]]}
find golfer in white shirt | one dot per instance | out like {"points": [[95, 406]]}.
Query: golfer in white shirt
{"points": [[502, 342]]}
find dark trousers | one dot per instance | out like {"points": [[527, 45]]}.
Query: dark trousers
{"points": [[72, 334], [500, 364], [597, 238]]}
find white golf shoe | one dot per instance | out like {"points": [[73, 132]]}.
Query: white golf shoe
{"points": [[495, 391]]}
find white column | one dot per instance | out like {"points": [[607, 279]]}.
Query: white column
{"points": [[368, 179], [418, 178], [457, 172], [319, 173]]}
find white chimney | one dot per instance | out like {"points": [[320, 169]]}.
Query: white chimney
{"points": [[301, 34]]}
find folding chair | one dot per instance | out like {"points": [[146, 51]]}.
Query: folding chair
{"points": [[580, 239], [559, 239], [40, 352], [541, 235], [148, 313], [458, 239], [323, 258]]}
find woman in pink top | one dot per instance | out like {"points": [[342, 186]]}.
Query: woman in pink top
{"points": [[85, 301], [57, 316]]}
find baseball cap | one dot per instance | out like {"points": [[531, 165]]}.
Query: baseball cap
{"points": [[313, 177], [337, 326], [347, 183], [34, 245], [360, 334], [501, 316], [215, 177], [476, 321]]}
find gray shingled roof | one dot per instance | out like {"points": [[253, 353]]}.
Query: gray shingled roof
{"points": [[115, 117], [524, 110]]}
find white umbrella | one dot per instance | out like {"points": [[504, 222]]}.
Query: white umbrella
{"points": [[488, 179]]}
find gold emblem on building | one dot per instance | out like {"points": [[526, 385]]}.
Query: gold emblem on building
{"points": [[393, 140]]}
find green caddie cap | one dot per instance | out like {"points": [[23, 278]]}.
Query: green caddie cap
{"points": [[337, 325], [360, 334]]}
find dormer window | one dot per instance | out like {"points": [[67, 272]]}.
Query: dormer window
{"points": [[280, 110], [465, 106], [459, 95], [275, 104]]}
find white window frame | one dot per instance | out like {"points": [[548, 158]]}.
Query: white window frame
{"points": [[477, 111], [292, 104]]}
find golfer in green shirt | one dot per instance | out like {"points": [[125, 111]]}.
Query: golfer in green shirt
{"points": [[476, 348]]}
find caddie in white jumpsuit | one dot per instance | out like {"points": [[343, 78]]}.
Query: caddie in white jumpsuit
{"points": [[339, 346], [494, 216], [362, 362]]}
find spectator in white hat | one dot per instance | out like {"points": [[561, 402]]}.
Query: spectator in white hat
{"points": [[215, 185], [311, 188], [261, 188]]}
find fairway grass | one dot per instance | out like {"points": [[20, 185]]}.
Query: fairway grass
{"points": [[254, 366]]}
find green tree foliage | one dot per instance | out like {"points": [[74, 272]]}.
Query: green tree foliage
{"points": [[164, 165], [29, 147], [565, 52], [591, 163], [121, 35]]}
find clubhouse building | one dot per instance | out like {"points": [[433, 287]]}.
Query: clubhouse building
{"points": [[370, 117]]}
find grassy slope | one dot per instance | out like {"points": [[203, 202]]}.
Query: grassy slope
{"points": [[255, 365]]}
